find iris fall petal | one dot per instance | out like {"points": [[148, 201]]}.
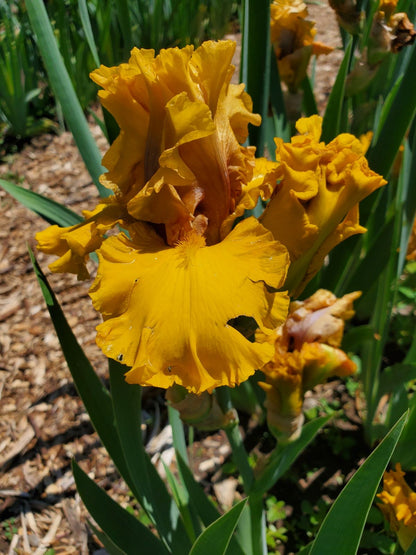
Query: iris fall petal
{"points": [[74, 244], [167, 311]]}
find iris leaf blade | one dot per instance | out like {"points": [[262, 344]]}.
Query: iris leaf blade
{"points": [[51, 211], [64, 90], [331, 124], [123, 529], [86, 25], [177, 432], [109, 545], [147, 485], [396, 122], [206, 510], [309, 103], [412, 549], [94, 394], [216, 538], [405, 452], [123, 15], [350, 509], [255, 63]]}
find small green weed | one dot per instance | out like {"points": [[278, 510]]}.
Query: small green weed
{"points": [[275, 515], [9, 528]]}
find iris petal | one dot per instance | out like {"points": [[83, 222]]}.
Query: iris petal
{"points": [[315, 205], [167, 310]]}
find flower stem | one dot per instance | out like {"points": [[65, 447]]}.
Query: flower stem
{"points": [[241, 459], [240, 456], [258, 524], [232, 430]]}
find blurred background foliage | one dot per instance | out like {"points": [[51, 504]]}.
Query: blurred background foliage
{"points": [[89, 33]]}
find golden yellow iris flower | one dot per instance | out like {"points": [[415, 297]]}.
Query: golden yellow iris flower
{"points": [[399, 506], [169, 289], [178, 160], [292, 36], [315, 205]]}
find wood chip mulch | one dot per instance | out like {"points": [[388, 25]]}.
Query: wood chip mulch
{"points": [[43, 424]]}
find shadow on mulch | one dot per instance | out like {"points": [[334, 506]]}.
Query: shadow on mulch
{"points": [[11, 505]]}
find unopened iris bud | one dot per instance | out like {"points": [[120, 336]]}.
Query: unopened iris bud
{"points": [[201, 411], [348, 15], [360, 77], [284, 400], [292, 36], [379, 44], [388, 7], [319, 318], [411, 247], [306, 353]]}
